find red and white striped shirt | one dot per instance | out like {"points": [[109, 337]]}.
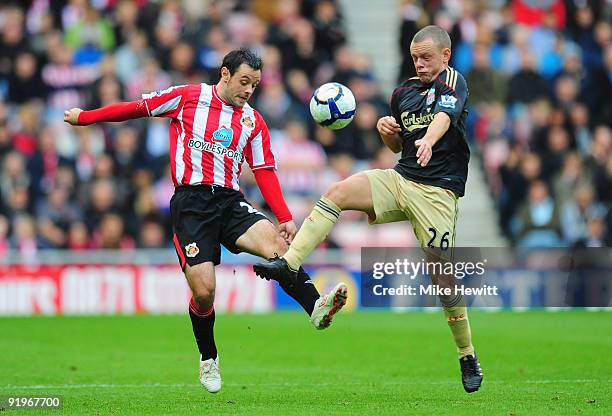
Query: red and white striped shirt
{"points": [[209, 139]]}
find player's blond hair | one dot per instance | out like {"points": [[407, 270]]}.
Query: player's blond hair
{"points": [[435, 33]]}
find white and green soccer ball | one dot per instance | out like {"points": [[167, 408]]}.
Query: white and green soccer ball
{"points": [[332, 105]]}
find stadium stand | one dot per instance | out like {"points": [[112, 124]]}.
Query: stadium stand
{"points": [[539, 73]]}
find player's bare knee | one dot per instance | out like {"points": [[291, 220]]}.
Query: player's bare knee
{"points": [[204, 297], [443, 281], [337, 194], [202, 283]]}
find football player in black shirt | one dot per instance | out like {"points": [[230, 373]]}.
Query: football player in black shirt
{"points": [[427, 126]]}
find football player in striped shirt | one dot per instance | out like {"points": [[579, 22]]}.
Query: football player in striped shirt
{"points": [[213, 130]]}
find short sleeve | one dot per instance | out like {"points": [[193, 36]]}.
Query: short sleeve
{"points": [[452, 95], [258, 151], [166, 103], [395, 106]]}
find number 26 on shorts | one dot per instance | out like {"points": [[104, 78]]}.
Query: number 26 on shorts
{"points": [[444, 243]]}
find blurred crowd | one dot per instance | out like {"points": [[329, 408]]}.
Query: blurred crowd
{"points": [[108, 185], [539, 73]]}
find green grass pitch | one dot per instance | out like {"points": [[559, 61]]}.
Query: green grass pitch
{"points": [[367, 363]]}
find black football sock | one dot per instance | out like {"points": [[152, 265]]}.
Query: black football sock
{"points": [[303, 291], [203, 329]]}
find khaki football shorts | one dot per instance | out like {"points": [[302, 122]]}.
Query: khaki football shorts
{"points": [[431, 210]]}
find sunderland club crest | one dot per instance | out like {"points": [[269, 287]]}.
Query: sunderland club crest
{"points": [[247, 121], [192, 250]]}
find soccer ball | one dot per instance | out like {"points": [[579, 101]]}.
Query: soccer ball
{"points": [[332, 105]]}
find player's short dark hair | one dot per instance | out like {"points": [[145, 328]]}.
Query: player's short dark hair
{"points": [[241, 56], [435, 33]]}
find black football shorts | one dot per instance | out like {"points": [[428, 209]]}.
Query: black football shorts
{"points": [[205, 216]]}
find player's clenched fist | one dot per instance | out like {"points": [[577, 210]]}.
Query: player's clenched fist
{"points": [[72, 116], [387, 126]]}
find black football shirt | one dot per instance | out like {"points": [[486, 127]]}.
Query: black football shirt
{"points": [[414, 105]]}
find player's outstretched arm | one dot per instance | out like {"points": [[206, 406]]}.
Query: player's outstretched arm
{"points": [[389, 132], [113, 112]]}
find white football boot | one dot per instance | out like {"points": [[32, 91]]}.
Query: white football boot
{"points": [[210, 377], [328, 305]]}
